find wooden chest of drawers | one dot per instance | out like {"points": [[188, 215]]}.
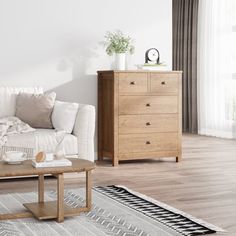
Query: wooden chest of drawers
{"points": [[139, 114]]}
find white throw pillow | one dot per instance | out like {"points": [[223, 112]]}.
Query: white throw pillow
{"points": [[64, 115]]}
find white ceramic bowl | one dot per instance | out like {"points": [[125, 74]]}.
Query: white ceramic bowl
{"points": [[14, 157]]}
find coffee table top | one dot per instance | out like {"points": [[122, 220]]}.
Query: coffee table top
{"points": [[25, 169]]}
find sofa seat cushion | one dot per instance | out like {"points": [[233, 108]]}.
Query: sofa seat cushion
{"points": [[43, 140]]}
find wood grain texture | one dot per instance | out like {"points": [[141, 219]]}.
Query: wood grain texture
{"points": [[153, 142], [88, 190], [147, 155], [179, 157], [100, 131], [164, 83], [13, 216], [203, 184], [78, 165], [114, 120], [133, 83], [60, 198], [129, 124], [138, 102], [139, 71], [147, 105], [51, 210], [41, 188], [106, 104], [48, 210]]}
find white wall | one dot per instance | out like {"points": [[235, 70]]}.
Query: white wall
{"points": [[55, 43]]}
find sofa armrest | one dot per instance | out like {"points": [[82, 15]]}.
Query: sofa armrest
{"points": [[84, 131]]}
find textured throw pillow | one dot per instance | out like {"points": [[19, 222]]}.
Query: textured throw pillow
{"points": [[35, 109], [64, 115]]}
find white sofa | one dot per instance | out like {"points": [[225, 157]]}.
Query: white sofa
{"points": [[80, 143]]}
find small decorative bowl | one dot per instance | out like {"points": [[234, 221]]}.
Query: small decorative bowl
{"points": [[14, 157]]}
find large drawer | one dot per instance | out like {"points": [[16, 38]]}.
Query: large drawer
{"points": [[130, 83], [148, 123], [137, 143], [147, 104], [163, 83]]}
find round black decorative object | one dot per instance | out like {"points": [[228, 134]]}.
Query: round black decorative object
{"points": [[152, 56]]}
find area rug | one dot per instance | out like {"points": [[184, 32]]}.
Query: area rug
{"points": [[116, 210]]}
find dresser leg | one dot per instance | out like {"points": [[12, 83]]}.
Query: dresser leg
{"points": [[115, 161], [100, 156], [178, 158]]}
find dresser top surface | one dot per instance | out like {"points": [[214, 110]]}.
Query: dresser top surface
{"points": [[141, 71]]}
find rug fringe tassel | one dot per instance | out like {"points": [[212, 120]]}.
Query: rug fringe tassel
{"points": [[175, 210]]}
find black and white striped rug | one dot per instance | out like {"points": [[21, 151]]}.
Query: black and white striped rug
{"points": [[116, 210], [177, 220]]}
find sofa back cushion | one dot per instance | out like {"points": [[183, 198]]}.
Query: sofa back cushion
{"points": [[8, 98], [64, 115], [35, 109]]}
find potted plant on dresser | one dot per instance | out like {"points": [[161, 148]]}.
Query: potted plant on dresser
{"points": [[119, 44]]}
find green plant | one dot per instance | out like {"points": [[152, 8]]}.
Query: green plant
{"points": [[117, 42]]}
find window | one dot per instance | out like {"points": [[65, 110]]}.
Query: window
{"points": [[234, 38], [217, 68], [231, 102]]}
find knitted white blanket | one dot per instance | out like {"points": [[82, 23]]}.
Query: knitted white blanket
{"points": [[12, 125]]}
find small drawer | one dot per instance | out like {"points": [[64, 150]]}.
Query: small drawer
{"points": [[148, 123], [130, 83], [147, 104], [164, 83], [141, 143]]}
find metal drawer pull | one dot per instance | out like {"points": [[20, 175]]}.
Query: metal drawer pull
{"points": [[148, 142], [132, 83], [148, 105], [163, 82], [148, 123]]}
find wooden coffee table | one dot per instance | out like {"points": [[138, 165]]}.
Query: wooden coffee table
{"points": [[54, 209]]}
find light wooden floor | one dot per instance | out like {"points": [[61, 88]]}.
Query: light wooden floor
{"points": [[203, 184]]}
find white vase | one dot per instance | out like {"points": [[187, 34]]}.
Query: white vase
{"points": [[120, 61]]}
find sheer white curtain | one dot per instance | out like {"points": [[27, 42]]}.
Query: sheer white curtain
{"points": [[216, 86]]}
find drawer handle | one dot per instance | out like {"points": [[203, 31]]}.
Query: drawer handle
{"points": [[148, 142], [163, 82], [148, 105], [132, 83], [148, 123]]}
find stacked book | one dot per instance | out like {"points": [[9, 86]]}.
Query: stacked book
{"points": [[155, 67], [53, 163]]}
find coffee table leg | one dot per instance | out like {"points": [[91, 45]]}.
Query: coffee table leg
{"points": [[41, 188], [60, 198], [88, 189]]}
